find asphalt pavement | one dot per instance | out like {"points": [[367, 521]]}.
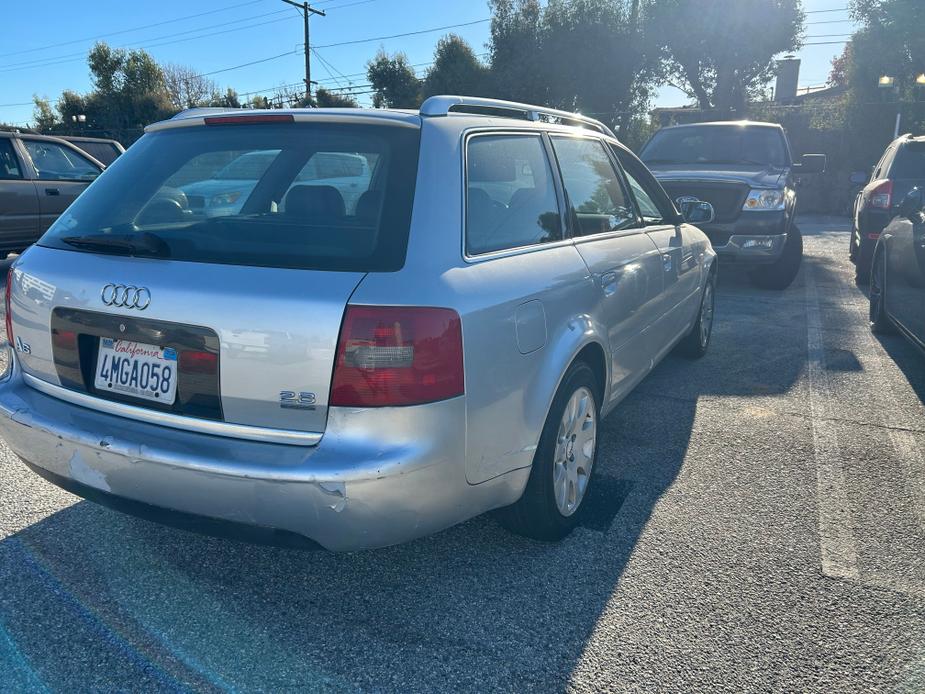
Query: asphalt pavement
{"points": [[758, 524]]}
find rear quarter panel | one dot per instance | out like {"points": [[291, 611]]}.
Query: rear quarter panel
{"points": [[508, 393]]}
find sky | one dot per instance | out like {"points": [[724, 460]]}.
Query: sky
{"points": [[256, 45]]}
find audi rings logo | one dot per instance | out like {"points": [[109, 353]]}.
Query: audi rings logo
{"points": [[126, 296]]}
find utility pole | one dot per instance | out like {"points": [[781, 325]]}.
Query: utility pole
{"points": [[307, 11]]}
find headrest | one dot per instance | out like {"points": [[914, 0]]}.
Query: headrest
{"points": [[314, 202]]}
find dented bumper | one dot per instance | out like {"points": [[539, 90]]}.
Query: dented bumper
{"points": [[378, 477]]}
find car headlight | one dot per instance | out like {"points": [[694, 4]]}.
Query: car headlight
{"points": [[766, 200], [224, 199]]}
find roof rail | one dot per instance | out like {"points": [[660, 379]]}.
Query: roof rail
{"points": [[443, 105]]}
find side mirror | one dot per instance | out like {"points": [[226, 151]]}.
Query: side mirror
{"points": [[810, 164], [696, 211], [912, 204]]}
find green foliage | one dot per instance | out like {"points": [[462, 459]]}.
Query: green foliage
{"points": [[721, 52], [891, 43], [515, 51], [327, 99], [394, 81], [456, 70]]}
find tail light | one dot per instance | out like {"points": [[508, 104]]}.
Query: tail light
{"points": [[881, 197], [198, 362], [9, 314], [389, 356]]}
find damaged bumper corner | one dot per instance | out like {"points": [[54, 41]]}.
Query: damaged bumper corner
{"points": [[378, 477]]}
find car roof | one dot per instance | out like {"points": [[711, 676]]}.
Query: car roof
{"points": [[456, 112]]}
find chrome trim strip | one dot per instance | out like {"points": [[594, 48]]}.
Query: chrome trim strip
{"points": [[202, 426]]}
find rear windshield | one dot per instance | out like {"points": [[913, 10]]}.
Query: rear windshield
{"points": [[910, 162], [717, 144], [292, 195]]}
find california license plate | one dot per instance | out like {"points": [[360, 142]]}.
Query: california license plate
{"points": [[136, 369]]}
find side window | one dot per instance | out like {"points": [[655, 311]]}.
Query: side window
{"points": [[510, 194], [598, 201], [9, 164], [654, 205], [880, 170], [56, 163]]}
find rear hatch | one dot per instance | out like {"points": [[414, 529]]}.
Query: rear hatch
{"points": [[228, 309]]}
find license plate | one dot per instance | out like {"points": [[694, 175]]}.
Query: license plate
{"points": [[134, 368]]}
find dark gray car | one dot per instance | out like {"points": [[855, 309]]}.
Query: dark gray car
{"points": [[39, 177], [746, 171]]}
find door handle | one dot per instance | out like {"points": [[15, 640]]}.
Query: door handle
{"points": [[52, 191], [609, 283]]}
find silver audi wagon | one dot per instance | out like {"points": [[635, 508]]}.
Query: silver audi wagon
{"points": [[381, 324]]}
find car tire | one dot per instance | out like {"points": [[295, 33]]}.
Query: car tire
{"points": [[780, 274], [863, 264], [560, 479], [853, 248], [695, 344], [880, 322]]}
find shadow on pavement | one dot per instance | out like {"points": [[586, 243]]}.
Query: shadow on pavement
{"points": [[105, 601]]}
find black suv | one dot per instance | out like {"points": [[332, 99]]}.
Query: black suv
{"points": [[900, 169], [745, 170]]}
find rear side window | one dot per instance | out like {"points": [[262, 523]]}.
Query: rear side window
{"points": [[54, 162], [104, 152], [510, 195], [909, 162], [297, 195], [598, 202], [9, 164]]}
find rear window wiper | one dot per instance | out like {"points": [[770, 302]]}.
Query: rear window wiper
{"points": [[127, 244]]}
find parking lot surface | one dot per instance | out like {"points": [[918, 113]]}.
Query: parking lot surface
{"points": [[758, 524]]}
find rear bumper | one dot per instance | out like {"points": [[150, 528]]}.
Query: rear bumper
{"points": [[755, 237], [378, 477]]}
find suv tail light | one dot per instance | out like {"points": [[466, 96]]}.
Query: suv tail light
{"points": [[6, 302], [390, 355], [881, 197]]}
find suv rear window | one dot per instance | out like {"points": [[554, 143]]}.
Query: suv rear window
{"points": [[910, 161], [297, 195]]}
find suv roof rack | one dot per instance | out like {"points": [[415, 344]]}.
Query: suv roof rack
{"points": [[442, 106]]}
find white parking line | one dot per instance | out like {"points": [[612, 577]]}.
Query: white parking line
{"points": [[836, 538]]}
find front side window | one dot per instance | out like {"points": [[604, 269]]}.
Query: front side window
{"points": [[9, 165], [255, 195], [510, 194], [598, 202], [54, 162]]}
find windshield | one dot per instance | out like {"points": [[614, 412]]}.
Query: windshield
{"points": [[265, 195], [717, 144]]}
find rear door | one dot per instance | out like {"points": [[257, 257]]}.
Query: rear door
{"points": [[19, 202], [623, 260], [62, 173]]}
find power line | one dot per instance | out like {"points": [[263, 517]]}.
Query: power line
{"points": [[836, 9], [253, 62], [126, 31], [408, 33], [832, 21], [56, 60]]}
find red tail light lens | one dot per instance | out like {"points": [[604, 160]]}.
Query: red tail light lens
{"points": [[391, 356], [9, 315], [65, 339], [250, 119], [882, 196]]}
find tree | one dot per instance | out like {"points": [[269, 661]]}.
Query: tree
{"points": [[609, 72], [228, 100], [186, 88], [394, 82], [128, 92], [890, 42], [841, 64], [456, 70], [329, 99], [722, 52], [514, 49]]}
